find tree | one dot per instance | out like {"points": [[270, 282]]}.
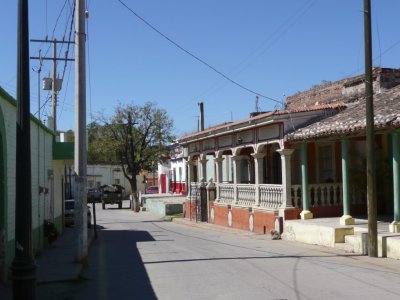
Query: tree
{"points": [[135, 136]]}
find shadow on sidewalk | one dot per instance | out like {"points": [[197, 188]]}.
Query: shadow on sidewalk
{"points": [[115, 271]]}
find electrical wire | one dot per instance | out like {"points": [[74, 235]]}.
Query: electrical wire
{"points": [[267, 44], [65, 94], [194, 56], [395, 44], [72, 14]]}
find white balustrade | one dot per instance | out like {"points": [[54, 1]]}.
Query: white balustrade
{"points": [[271, 195], [226, 193], [246, 194], [319, 195]]}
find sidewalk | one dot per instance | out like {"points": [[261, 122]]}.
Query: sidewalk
{"points": [[56, 263]]}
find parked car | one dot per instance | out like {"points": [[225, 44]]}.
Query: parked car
{"points": [[112, 194], [151, 190], [93, 195], [69, 214]]}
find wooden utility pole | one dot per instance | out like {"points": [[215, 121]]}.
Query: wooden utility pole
{"points": [[54, 88], [369, 104], [23, 266], [80, 134]]}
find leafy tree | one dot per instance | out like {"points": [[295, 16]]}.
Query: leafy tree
{"points": [[135, 136]]}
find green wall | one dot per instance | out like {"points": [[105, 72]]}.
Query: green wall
{"points": [[3, 191]]}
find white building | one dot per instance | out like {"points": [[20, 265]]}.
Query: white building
{"points": [[172, 173], [101, 173]]}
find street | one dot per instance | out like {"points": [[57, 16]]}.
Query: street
{"points": [[139, 256]]}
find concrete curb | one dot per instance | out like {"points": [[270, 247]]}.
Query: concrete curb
{"points": [[210, 226]]}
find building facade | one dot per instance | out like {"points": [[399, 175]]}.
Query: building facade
{"points": [[304, 161], [47, 182]]}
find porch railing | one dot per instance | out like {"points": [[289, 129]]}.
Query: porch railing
{"points": [[320, 195], [226, 193], [246, 194], [271, 195]]}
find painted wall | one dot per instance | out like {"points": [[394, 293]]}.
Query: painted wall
{"points": [[42, 174], [42, 165]]}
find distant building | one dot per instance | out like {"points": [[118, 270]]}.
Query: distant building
{"points": [[101, 173], [172, 173]]}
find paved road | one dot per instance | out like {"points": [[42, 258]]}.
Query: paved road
{"points": [[138, 256]]}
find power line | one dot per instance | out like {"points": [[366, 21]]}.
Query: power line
{"points": [[277, 34], [194, 56]]}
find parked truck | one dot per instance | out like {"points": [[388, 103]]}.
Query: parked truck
{"points": [[112, 194]]}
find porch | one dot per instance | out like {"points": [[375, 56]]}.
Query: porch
{"points": [[271, 196], [350, 238], [260, 208]]}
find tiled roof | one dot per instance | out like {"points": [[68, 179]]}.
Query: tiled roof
{"points": [[220, 127], [352, 120]]}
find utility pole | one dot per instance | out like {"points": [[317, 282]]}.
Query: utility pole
{"points": [[54, 89], [39, 70], [23, 266], [52, 84], [80, 134], [369, 104]]}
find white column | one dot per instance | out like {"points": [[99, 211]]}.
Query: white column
{"points": [[190, 174], [203, 167], [218, 163], [236, 164], [259, 173], [286, 176]]}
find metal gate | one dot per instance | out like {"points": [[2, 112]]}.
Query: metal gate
{"points": [[198, 202]]}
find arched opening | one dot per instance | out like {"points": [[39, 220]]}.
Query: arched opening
{"points": [[247, 171], [272, 164]]}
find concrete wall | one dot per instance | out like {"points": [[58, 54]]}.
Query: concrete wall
{"points": [[258, 221], [163, 205]]}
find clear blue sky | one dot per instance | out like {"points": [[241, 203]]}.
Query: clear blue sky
{"points": [[273, 47]]}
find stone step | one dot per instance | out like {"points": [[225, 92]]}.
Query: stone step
{"points": [[389, 245], [317, 234], [358, 242], [344, 247]]}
